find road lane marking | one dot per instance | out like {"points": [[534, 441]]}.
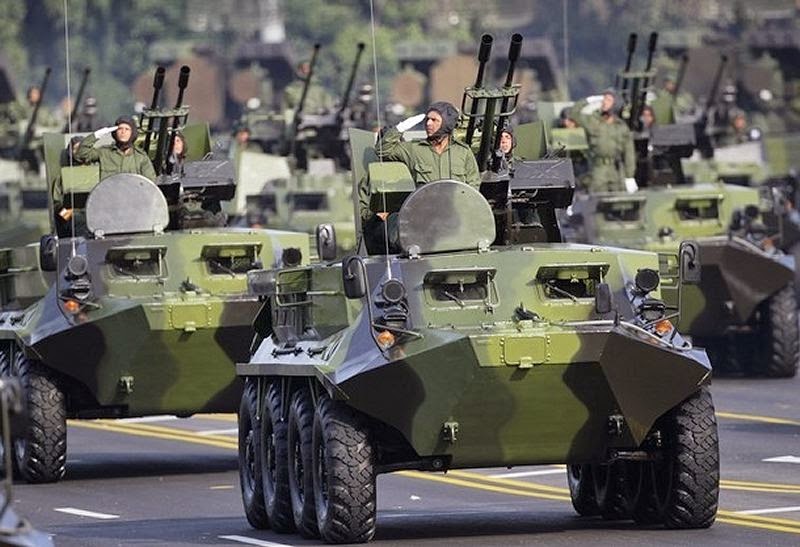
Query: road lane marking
{"points": [[519, 474], [222, 487], [756, 418], [220, 417], [146, 419], [475, 480], [129, 430], [229, 431], [760, 486], [253, 541], [84, 513], [488, 487], [783, 459], [768, 511]]}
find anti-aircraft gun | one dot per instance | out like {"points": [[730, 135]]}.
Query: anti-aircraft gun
{"points": [[155, 291], [743, 309], [450, 345]]}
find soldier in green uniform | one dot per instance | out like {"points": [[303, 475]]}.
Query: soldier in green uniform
{"points": [[439, 156], [317, 99], [120, 157], [611, 154]]}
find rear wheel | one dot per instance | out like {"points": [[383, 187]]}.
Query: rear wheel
{"points": [[681, 487], [250, 465], [781, 347], [581, 490], [274, 455], [301, 479], [344, 474], [41, 454]]}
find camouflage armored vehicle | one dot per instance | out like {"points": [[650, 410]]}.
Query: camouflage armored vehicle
{"points": [[472, 338], [743, 310], [143, 310]]}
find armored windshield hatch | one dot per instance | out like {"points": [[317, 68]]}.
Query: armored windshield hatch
{"points": [[231, 258], [571, 281], [140, 261], [461, 287], [621, 210], [699, 208]]}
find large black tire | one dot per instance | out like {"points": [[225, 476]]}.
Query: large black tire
{"points": [[344, 474], [681, 489], [581, 490], [41, 454], [301, 479], [250, 457], [781, 346], [274, 455], [614, 489]]}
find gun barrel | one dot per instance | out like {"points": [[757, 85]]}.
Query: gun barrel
{"points": [[514, 50], [681, 74], [164, 147], [641, 97], [723, 60], [78, 99], [26, 139], [632, 37], [351, 80], [484, 52], [306, 85], [158, 83]]}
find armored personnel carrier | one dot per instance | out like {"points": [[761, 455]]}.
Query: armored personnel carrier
{"points": [[472, 338], [140, 307], [743, 310]]}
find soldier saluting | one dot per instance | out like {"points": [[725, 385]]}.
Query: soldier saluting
{"points": [[611, 155], [439, 155], [120, 157]]}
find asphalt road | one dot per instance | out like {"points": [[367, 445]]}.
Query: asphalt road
{"points": [[175, 482]]}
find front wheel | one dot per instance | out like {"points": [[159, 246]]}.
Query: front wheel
{"points": [[41, 454], [344, 474], [681, 487], [781, 347]]}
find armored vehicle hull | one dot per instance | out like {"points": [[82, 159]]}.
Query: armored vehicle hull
{"points": [[745, 297]]}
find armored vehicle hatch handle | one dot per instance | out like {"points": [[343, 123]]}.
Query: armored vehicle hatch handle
{"points": [[602, 299], [689, 255], [326, 242], [354, 279]]}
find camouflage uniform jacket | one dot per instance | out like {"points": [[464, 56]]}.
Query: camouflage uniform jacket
{"points": [[113, 161], [457, 162]]}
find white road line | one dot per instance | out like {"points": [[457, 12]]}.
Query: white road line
{"points": [[147, 419], [230, 431], [252, 541], [528, 474], [783, 459], [82, 513], [768, 511]]}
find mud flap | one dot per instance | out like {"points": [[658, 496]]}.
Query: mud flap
{"points": [[647, 378], [750, 276]]}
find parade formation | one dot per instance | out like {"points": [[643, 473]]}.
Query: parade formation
{"points": [[414, 310]]}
